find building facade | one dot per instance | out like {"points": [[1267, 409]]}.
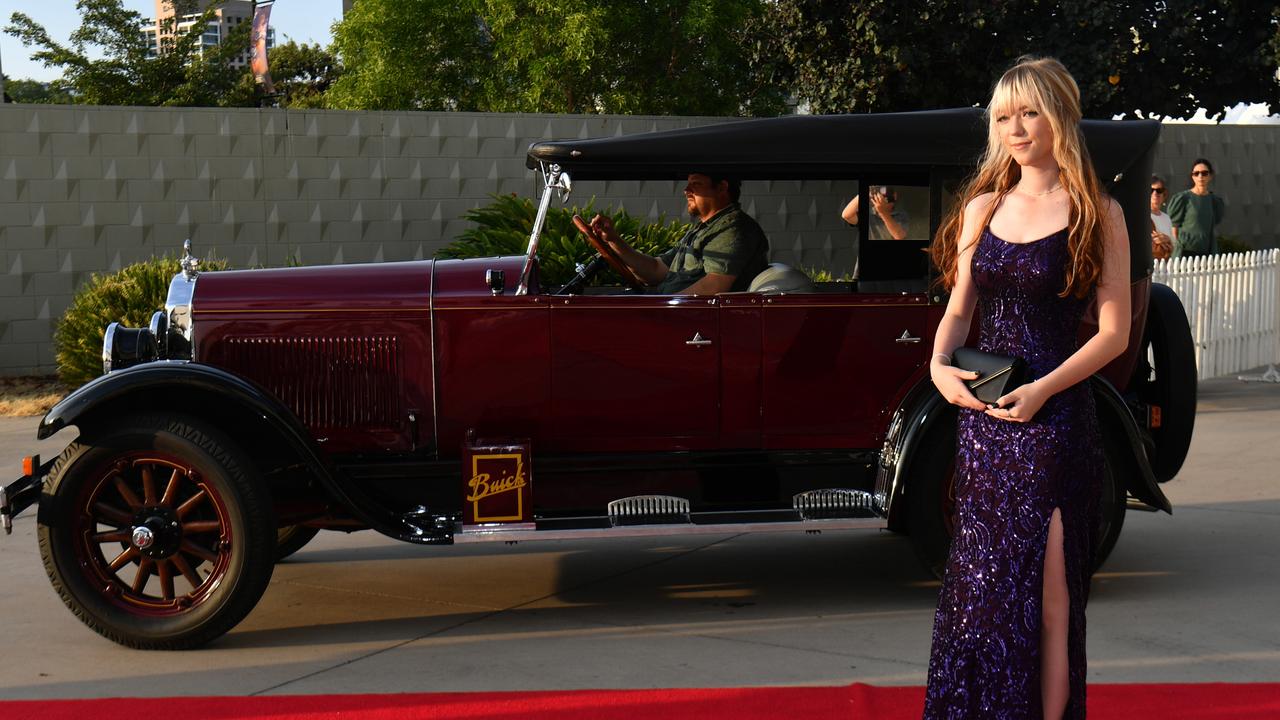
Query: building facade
{"points": [[168, 24]]}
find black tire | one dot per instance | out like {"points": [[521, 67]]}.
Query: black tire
{"points": [[205, 557], [1165, 377], [930, 494], [1114, 501], [293, 538], [932, 499]]}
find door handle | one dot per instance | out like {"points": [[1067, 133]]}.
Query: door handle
{"points": [[698, 340], [907, 337]]}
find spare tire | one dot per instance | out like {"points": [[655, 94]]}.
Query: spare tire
{"points": [[1165, 377]]}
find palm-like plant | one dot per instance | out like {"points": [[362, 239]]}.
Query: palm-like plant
{"points": [[503, 226]]}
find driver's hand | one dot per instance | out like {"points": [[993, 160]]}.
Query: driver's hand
{"points": [[603, 227]]}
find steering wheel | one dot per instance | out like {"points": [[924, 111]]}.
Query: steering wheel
{"points": [[607, 252]]}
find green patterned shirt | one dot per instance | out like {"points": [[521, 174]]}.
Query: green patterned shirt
{"points": [[730, 243]]}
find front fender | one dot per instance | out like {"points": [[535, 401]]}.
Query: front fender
{"points": [[173, 383], [923, 408], [172, 376], [1114, 415], [919, 412]]}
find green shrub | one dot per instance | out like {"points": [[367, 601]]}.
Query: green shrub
{"points": [[822, 275], [1232, 244], [502, 228], [129, 296]]}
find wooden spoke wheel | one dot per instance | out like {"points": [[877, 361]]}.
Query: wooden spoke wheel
{"points": [[153, 534], [156, 536]]}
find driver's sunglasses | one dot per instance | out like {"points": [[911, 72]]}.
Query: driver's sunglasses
{"points": [[1158, 191]]}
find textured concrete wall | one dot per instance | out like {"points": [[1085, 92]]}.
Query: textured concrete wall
{"points": [[91, 189]]}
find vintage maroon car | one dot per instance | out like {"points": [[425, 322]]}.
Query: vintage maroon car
{"points": [[458, 401]]}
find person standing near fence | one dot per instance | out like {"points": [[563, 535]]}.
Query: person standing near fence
{"points": [[1195, 213], [1162, 226]]}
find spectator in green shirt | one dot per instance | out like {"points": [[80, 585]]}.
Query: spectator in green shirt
{"points": [[1195, 213], [722, 253]]}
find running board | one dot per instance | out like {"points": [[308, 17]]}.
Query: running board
{"points": [[500, 534]]}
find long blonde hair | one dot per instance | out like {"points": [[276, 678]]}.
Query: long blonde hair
{"points": [[1044, 85]]}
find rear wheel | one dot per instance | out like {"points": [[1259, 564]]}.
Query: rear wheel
{"points": [[932, 500], [293, 538], [155, 534], [1113, 503], [1165, 378]]}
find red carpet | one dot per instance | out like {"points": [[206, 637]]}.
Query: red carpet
{"points": [[1210, 701]]}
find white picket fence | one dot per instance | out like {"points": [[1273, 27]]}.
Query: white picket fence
{"points": [[1233, 305]]}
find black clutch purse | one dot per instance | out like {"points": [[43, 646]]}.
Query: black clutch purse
{"points": [[997, 374]]}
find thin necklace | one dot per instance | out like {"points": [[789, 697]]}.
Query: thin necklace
{"points": [[1056, 187]]}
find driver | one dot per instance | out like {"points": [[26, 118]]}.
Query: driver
{"points": [[723, 251]]}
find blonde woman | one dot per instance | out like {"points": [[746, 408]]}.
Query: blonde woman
{"points": [[1031, 243]]}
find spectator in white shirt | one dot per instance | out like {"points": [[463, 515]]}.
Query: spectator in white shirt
{"points": [[1162, 226]]}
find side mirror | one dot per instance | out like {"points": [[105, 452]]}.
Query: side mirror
{"points": [[565, 184]]}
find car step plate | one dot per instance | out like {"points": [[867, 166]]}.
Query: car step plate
{"points": [[831, 503], [648, 510]]}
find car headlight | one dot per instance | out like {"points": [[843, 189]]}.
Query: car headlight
{"points": [[124, 347]]}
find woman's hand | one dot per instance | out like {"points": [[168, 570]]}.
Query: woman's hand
{"points": [[950, 383], [1021, 404], [1161, 245]]}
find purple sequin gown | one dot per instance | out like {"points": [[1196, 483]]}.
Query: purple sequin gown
{"points": [[1009, 478]]}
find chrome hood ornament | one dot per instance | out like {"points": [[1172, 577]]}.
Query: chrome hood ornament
{"points": [[190, 263]]}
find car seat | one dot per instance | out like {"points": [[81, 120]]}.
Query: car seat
{"points": [[779, 278]]}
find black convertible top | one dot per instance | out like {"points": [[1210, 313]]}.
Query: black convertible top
{"points": [[815, 146], [913, 145]]}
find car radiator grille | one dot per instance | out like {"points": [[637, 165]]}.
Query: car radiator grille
{"points": [[329, 382]]}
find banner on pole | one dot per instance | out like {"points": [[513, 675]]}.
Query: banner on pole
{"points": [[258, 58]]}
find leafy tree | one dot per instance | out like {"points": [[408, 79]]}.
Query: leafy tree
{"points": [[1192, 53], [185, 74], [302, 73], [653, 57], [545, 55], [684, 57], [33, 91], [407, 55], [1166, 58]]}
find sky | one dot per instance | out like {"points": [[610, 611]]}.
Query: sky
{"points": [[303, 21]]}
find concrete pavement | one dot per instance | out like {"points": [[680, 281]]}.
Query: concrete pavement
{"points": [[1187, 598]]}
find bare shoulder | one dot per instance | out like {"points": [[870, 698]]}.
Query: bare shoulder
{"points": [[979, 204], [1115, 215], [1113, 207]]}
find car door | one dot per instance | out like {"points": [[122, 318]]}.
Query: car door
{"points": [[634, 373], [834, 364]]}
